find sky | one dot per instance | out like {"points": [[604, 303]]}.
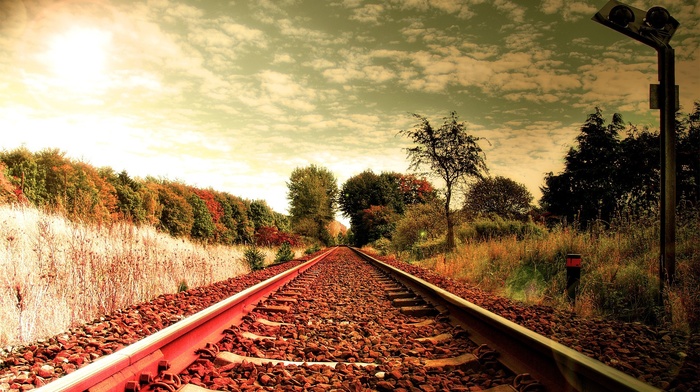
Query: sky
{"points": [[235, 95]]}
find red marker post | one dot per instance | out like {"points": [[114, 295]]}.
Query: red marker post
{"points": [[573, 275]]}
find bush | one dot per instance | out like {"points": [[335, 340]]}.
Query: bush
{"points": [[630, 294], [422, 250], [312, 249], [488, 229], [284, 253], [382, 246], [254, 257]]}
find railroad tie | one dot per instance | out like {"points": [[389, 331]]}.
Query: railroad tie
{"points": [[283, 299], [435, 339], [419, 311], [270, 323], [401, 302], [272, 309], [393, 294]]}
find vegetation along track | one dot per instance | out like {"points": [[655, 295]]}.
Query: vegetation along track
{"points": [[345, 321]]}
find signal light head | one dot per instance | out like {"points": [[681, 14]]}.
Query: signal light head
{"points": [[621, 15], [657, 17]]}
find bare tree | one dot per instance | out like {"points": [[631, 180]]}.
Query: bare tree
{"points": [[450, 153]]}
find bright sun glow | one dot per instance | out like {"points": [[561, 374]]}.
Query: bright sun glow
{"points": [[78, 57]]}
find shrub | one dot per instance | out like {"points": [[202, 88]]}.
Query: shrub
{"points": [[382, 246], [182, 286], [312, 249], [422, 250], [284, 253], [254, 257], [489, 229]]}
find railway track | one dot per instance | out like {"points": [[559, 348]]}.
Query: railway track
{"points": [[345, 321]]}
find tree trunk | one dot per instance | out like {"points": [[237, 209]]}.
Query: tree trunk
{"points": [[448, 217], [450, 232]]}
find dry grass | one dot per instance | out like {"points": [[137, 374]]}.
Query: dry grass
{"points": [[619, 277], [57, 273]]}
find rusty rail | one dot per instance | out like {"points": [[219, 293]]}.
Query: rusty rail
{"points": [[557, 367], [172, 349]]}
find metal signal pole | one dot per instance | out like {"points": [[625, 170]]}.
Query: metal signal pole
{"points": [[655, 28]]}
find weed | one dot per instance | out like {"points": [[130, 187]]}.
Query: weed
{"points": [[254, 257], [284, 253], [312, 249]]}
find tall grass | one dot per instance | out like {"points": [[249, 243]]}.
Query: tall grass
{"points": [[57, 273], [619, 276]]}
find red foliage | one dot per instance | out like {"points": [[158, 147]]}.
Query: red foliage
{"points": [[214, 207], [21, 198], [415, 190], [271, 236]]}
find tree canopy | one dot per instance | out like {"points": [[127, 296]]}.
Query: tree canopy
{"points": [[49, 180], [498, 196], [312, 195], [605, 174], [374, 201]]}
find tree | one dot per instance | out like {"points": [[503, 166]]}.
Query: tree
{"points": [[25, 174], [499, 196], [313, 193], [378, 222], [689, 158], [130, 204], [260, 214], [421, 222], [639, 171], [450, 153], [590, 186], [367, 189], [176, 215], [202, 222]]}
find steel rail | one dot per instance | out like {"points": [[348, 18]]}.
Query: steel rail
{"points": [[557, 367], [173, 348]]}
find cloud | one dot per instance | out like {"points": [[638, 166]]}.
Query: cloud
{"points": [[368, 13], [283, 58], [569, 10]]}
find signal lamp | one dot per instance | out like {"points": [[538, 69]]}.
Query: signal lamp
{"points": [[657, 17], [621, 15]]}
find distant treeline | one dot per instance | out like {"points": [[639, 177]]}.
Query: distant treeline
{"points": [[51, 181]]}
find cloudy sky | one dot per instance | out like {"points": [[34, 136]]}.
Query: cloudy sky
{"points": [[234, 95]]}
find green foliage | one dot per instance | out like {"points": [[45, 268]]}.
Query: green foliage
{"points": [[688, 156], [176, 216], [203, 224], [260, 214], [312, 195], [488, 229], [391, 192], [130, 203], [182, 286], [382, 245], [378, 222], [629, 294], [254, 257], [430, 248], [312, 249], [50, 180], [284, 253], [605, 176], [450, 153], [498, 196], [525, 283], [420, 223], [23, 172]]}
